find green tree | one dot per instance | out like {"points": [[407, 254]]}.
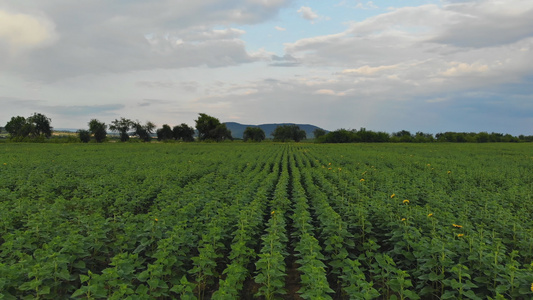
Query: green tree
{"points": [[144, 132], [98, 129], [221, 133], [84, 135], [164, 133], [318, 132], [255, 134], [15, 127], [183, 132], [37, 125], [289, 132], [421, 137], [210, 128], [41, 125], [403, 136], [482, 137], [122, 126], [340, 136]]}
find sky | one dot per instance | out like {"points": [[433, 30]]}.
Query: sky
{"points": [[430, 66]]}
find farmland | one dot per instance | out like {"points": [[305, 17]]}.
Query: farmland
{"points": [[266, 221]]}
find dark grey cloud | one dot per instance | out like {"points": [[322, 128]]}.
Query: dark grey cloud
{"points": [[286, 60]]}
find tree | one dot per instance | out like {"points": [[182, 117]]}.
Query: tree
{"points": [[98, 129], [403, 136], [85, 135], [482, 137], [164, 133], [36, 125], [210, 128], [122, 126], [221, 133], [255, 134], [340, 136], [15, 126], [319, 132], [41, 125], [183, 132], [289, 132], [205, 124], [144, 132], [421, 137]]}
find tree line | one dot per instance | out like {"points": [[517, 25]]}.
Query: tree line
{"points": [[404, 136], [208, 128], [38, 127]]}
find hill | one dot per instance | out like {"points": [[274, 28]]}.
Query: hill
{"points": [[237, 129]]}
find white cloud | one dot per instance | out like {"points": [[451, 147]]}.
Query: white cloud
{"points": [[203, 34], [462, 69], [357, 4], [307, 13], [368, 5], [367, 70], [24, 31], [124, 36], [411, 66], [278, 28], [487, 23], [329, 92]]}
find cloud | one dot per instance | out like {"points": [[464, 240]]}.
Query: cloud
{"points": [[150, 102], [406, 45], [487, 23], [84, 110], [464, 69], [156, 84], [358, 4], [307, 13], [367, 70], [329, 92], [24, 31], [278, 28], [202, 34], [286, 60], [125, 36], [25, 107]]}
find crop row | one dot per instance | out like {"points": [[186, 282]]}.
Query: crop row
{"points": [[274, 221]]}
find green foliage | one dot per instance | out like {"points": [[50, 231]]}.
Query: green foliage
{"points": [[164, 133], [183, 132], [17, 126], [319, 132], [41, 125], [98, 129], [404, 136], [122, 126], [36, 126], [210, 128], [144, 132], [354, 136], [84, 135], [285, 133], [270, 221], [255, 134]]}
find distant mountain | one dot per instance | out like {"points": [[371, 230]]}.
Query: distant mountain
{"points": [[237, 129]]}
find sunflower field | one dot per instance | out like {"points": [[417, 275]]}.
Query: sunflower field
{"points": [[266, 221]]}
